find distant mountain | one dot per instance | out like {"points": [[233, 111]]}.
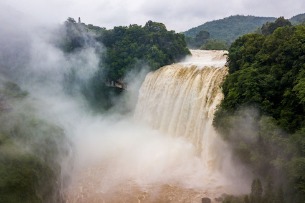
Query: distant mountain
{"points": [[298, 19], [230, 28]]}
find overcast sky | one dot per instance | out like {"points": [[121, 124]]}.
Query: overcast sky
{"points": [[179, 15]]}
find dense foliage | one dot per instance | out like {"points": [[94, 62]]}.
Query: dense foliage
{"points": [[151, 44], [126, 46], [31, 151], [270, 27], [298, 19], [263, 111], [202, 41], [230, 28], [197, 41], [121, 50], [213, 44]]}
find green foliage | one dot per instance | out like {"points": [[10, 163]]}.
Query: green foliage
{"points": [[266, 70], [268, 194], [22, 175], [13, 91], [296, 169], [267, 73], [128, 49], [126, 46], [31, 151], [233, 199], [76, 36], [242, 52], [197, 41], [230, 28], [298, 19], [269, 27], [213, 44], [152, 44], [256, 191]]}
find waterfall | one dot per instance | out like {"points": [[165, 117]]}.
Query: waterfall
{"points": [[176, 156], [180, 99]]}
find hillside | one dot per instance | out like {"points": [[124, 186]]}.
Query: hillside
{"points": [[128, 49], [262, 113], [298, 19], [228, 29]]}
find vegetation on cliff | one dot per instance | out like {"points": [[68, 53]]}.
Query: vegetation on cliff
{"points": [[31, 151], [230, 28], [227, 30], [121, 50], [262, 114]]}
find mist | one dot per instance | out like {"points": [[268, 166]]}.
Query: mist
{"points": [[103, 152]]}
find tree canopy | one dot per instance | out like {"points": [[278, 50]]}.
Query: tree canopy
{"points": [[121, 50], [269, 27], [31, 151], [151, 44], [265, 88], [230, 28]]}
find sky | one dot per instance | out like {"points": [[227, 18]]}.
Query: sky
{"points": [[178, 15]]}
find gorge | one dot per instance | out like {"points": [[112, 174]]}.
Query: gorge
{"points": [[169, 152]]}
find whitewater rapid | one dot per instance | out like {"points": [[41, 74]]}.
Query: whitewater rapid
{"points": [[206, 58]]}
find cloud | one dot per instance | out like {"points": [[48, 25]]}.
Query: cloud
{"points": [[274, 8], [178, 15]]}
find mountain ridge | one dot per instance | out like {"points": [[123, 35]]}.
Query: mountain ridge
{"points": [[230, 28]]}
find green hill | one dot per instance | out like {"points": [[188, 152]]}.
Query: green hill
{"points": [[230, 28], [298, 19], [262, 113]]}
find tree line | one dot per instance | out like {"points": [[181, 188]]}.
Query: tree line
{"points": [[220, 34], [262, 115], [121, 50]]}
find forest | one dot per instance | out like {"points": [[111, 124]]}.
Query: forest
{"points": [[262, 114], [230, 28], [30, 150], [128, 48], [220, 34]]}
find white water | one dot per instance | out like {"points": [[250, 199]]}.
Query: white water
{"points": [[205, 58], [169, 152], [180, 99]]}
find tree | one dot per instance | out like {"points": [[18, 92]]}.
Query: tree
{"points": [[70, 20], [31, 150], [152, 44], [266, 72], [155, 27], [199, 40], [268, 28], [256, 191], [213, 44], [128, 48]]}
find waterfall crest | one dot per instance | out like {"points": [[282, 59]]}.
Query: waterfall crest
{"points": [[180, 99]]}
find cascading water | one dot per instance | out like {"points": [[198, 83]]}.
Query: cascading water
{"points": [[180, 99], [175, 156]]}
